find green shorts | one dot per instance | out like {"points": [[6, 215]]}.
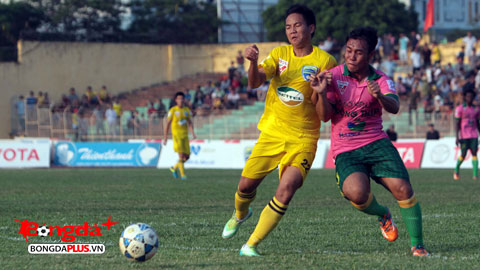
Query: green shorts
{"points": [[377, 160], [471, 144]]}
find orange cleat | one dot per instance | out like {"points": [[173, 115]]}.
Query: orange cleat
{"points": [[456, 176], [389, 230], [419, 251]]}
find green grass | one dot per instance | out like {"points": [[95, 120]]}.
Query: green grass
{"points": [[320, 230]]}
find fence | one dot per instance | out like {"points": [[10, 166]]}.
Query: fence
{"points": [[227, 125]]}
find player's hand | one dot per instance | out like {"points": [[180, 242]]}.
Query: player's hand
{"points": [[165, 141], [457, 142], [251, 53], [194, 135], [320, 81], [374, 89]]}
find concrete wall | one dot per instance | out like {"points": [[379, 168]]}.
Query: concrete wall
{"points": [[56, 66]]}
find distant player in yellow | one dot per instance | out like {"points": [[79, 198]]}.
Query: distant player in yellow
{"points": [[289, 126], [180, 118]]}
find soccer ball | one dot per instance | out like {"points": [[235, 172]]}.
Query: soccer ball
{"points": [[138, 242], [43, 231]]}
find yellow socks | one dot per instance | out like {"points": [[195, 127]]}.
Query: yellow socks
{"points": [[181, 167], [270, 217], [242, 202]]}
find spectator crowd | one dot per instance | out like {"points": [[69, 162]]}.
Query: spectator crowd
{"points": [[422, 82]]}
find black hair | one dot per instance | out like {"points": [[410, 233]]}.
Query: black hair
{"points": [[180, 93], [464, 93], [306, 12], [369, 34]]}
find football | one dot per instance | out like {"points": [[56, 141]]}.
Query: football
{"points": [[43, 231], [138, 242]]}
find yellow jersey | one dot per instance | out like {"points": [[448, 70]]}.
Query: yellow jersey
{"points": [[288, 107], [117, 107], [179, 117]]}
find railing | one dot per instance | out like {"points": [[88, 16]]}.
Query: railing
{"points": [[42, 122]]}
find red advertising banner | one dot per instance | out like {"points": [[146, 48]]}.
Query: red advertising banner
{"points": [[411, 153]]}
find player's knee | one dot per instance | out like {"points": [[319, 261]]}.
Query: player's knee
{"points": [[403, 191], [357, 195], [247, 185]]}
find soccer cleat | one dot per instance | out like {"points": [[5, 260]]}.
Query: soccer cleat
{"points": [[389, 230], [174, 172], [250, 251], [456, 176], [183, 178], [419, 251], [233, 224]]}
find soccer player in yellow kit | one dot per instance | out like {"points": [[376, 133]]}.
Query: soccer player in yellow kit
{"points": [[289, 126], [180, 118]]}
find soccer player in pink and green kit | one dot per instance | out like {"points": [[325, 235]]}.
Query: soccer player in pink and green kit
{"points": [[354, 101], [467, 128]]}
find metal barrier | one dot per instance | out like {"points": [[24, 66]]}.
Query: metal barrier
{"points": [[227, 125]]}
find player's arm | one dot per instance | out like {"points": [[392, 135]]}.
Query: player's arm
{"points": [[190, 125], [458, 126], [388, 102], [319, 84], [165, 133], [256, 75]]}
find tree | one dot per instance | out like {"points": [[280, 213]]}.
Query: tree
{"points": [[337, 18], [87, 20], [14, 19], [174, 21]]}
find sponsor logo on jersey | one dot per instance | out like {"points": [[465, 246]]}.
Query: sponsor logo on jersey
{"points": [[289, 96], [391, 85], [308, 70], [342, 85], [356, 125], [282, 65]]}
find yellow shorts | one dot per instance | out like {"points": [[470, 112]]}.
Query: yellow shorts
{"points": [[181, 145], [271, 151]]}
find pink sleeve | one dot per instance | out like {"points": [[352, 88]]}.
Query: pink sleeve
{"points": [[387, 86], [458, 112], [331, 95]]}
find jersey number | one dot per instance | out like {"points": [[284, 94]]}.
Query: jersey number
{"points": [[305, 164]]}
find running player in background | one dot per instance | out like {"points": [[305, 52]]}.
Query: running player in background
{"points": [[180, 118], [361, 149], [467, 127], [289, 126]]}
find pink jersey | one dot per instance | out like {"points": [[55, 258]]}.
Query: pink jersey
{"points": [[357, 117], [468, 117]]}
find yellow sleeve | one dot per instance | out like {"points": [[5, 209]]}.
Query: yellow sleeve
{"points": [[269, 64], [330, 62], [170, 114]]}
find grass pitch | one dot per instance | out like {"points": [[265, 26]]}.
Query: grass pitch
{"points": [[321, 230]]}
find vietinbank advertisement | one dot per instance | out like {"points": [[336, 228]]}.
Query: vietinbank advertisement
{"points": [[226, 154], [106, 154]]}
